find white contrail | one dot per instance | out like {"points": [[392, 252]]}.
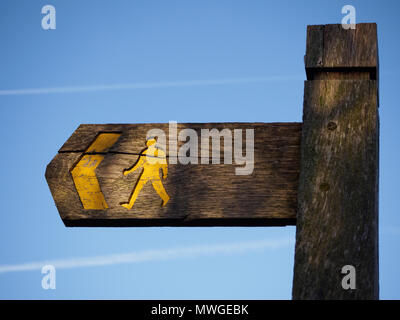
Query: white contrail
{"points": [[152, 255], [145, 85]]}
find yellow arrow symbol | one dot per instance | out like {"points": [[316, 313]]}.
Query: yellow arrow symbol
{"points": [[84, 175]]}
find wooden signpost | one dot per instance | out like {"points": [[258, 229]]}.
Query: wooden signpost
{"points": [[320, 175]]}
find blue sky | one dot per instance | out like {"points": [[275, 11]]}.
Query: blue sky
{"points": [[119, 42]]}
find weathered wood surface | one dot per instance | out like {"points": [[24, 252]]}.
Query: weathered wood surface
{"points": [[337, 221], [330, 48], [200, 194]]}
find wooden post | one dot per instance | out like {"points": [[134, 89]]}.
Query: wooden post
{"points": [[337, 219]]}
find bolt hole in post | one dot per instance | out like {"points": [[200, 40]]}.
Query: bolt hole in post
{"points": [[332, 126]]}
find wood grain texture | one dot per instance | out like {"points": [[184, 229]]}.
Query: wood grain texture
{"points": [[337, 220], [134, 135], [330, 48], [201, 195]]}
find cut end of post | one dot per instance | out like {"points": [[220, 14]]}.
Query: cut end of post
{"points": [[335, 53]]}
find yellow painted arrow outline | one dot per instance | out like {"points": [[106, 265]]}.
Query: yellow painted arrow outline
{"points": [[84, 175]]}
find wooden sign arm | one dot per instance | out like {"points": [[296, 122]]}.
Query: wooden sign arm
{"points": [[193, 194]]}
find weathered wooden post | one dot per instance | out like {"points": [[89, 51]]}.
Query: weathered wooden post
{"points": [[337, 220]]}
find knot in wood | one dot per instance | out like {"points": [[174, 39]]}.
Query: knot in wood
{"points": [[324, 187], [332, 126]]}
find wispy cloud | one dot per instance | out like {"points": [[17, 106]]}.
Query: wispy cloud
{"points": [[153, 255], [145, 85]]}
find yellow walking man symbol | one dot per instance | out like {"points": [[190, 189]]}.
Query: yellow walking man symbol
{"points": [[152, 159]]}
